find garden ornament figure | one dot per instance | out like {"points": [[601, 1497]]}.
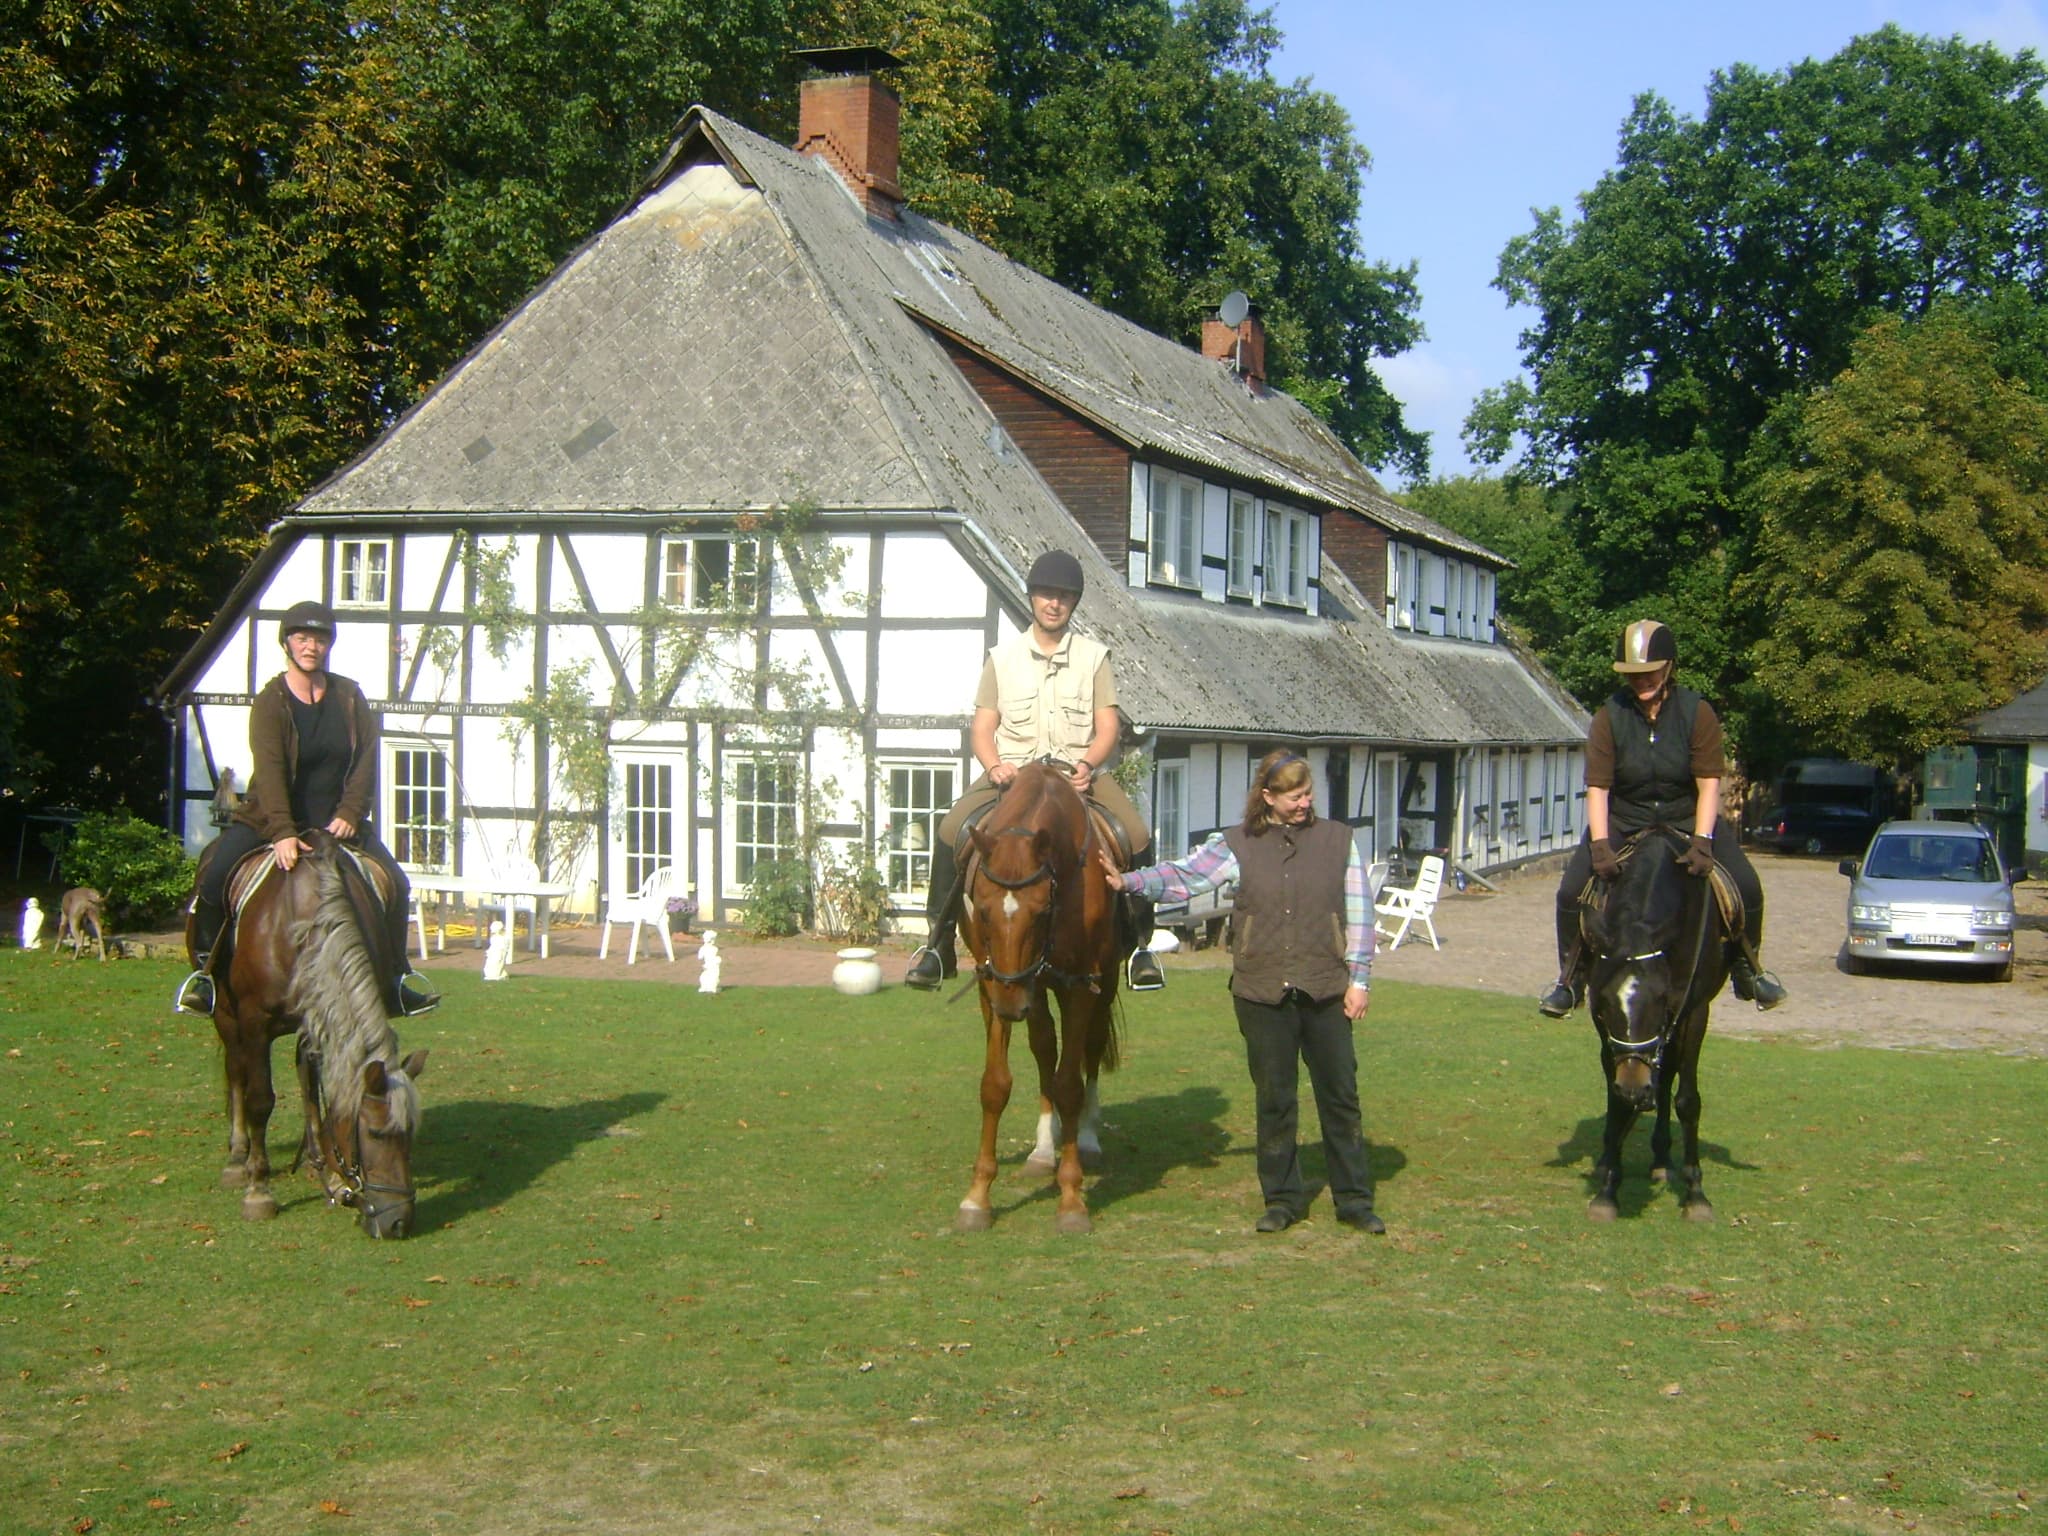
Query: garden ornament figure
{"points": [[31, 924], [713, 962], [498, 953]]}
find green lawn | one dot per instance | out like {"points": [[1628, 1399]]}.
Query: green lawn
{"points": [[686, 1266]]}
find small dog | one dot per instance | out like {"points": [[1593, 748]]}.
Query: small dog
{"points": [[78, 913]]}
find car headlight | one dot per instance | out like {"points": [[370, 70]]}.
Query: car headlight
{"points": [[1875, 915], [1991, 917]]}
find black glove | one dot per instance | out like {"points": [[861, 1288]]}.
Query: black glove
{"points": [[1605, 865], [1698, 857]]}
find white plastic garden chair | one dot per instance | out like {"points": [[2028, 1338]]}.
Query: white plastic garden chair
{"points": [[648, 905]]}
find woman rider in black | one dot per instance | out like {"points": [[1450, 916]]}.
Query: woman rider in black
{"points": [[314, 744], [1653, 758]]}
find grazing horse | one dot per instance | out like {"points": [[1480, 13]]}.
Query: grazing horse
{"points": [[1659, 956], [309, 959], [1041, 925]]}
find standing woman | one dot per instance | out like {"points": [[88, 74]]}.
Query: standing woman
{"points": [[313, 745], [1301, 943]]}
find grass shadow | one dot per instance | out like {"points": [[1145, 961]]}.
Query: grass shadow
{"points": [[478, 1153]]}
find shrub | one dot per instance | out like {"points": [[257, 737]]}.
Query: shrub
{"points": [[777, 898], [141, 868], [853, 899]]}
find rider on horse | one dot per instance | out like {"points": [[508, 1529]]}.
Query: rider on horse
{"points": [[313, 744], [1653, 758], [1047, 692]]}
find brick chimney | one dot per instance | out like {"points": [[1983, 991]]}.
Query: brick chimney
{"points": [[1243, 345], [849, 119]]}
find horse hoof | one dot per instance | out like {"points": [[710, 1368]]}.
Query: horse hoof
{"points": [[1602, 1209], [1698, 1210], [258, 1207], [1069, 1222], [1038, 1164], [972, 1218], [234, 1176]]}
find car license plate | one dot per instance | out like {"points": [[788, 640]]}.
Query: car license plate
{"points": [[1931, 940]]}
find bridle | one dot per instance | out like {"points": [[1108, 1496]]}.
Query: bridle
{"points": [[358, 1190], [1042, 966], [1651, 1050]]}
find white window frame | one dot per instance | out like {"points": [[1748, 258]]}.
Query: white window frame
{"points": [[1174, 537], [1401, 586], [362, 573], [688, 581], [744, 813], [424, 843], [1242, 538], [912, 829], [648, 820], [1170, 809], [1288, 537]]}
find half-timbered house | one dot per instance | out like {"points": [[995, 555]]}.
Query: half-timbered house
{"points": [[758, 470]]}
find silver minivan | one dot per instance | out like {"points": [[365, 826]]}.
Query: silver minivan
{"points": [[1930, 892]]}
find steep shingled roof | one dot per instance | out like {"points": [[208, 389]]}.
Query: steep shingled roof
{"points": [[745, 335]]}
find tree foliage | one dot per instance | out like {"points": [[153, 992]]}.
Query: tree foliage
{"points": [[1729, 263], [1902, 545]]}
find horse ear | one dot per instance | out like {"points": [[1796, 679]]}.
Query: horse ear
{"points": [[415, 1064], [374, 1084], [981, 840]]}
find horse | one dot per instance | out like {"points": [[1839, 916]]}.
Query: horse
{"points": [[308, 959], [1041, 925], [1658, 948]]}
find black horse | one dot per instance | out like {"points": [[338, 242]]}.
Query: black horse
{"points": [[1658, 946]]}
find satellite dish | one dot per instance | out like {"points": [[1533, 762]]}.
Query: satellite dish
{"points": [[1235, 307]]}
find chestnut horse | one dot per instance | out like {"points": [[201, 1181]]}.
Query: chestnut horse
{"points": [[309, 959], [1659, 957], [1041, 925]]}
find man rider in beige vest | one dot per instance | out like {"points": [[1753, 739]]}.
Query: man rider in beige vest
{"points": [[1047, 692]]}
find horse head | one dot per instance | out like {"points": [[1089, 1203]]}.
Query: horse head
{"points": [[379, 1175], [1646, 940], [1011, 897]]}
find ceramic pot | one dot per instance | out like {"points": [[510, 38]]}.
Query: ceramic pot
{"points": [[857, 973]]}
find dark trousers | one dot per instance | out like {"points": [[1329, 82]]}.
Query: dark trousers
{"points": [[1727, 853], [1277, 1037]]}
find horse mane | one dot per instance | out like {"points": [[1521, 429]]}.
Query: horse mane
{"points": [[337, 991]]}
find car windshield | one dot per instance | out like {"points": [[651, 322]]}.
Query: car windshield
{"points": [[1917, 856]]}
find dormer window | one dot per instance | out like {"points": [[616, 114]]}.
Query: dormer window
{"points": [[1289, 535], [1176, 532], [1225, 542], [1432, 593]]}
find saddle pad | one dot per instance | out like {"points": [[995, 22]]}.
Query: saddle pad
{"points": [[1106, 827], [254, 868]]}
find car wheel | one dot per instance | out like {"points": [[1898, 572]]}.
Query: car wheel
{"points": [[1853, 965], [2003, 973], [1815, 845]]}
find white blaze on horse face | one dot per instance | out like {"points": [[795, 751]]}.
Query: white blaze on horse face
{"points": [[1009, 903]]}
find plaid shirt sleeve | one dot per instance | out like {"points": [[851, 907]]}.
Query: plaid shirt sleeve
{"points": [[1358, 931], [1209, 866]]}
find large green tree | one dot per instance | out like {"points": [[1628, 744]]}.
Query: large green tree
{"points": [[1901, 571], [1730, 262]]}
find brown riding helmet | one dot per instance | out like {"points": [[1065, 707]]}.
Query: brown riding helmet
{"points": [[1644, 646]]}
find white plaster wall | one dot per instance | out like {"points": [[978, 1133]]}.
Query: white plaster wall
{"points": [[928, 672], [425, 556], [891, 742], [614, 566], [923, 576], [299, 575]]}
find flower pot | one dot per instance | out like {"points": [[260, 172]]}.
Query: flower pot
{"points": [[857, 973]]}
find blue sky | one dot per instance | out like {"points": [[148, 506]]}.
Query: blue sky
{"points": [[1476, 111]]}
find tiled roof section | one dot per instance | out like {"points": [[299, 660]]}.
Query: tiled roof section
{"points": [[683, 359], [2024, 719]]}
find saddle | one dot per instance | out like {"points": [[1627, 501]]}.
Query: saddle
{"points": [[1106, 827]]}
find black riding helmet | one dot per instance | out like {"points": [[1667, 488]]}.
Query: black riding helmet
{"points": [[314, 618], [1056, 571]]}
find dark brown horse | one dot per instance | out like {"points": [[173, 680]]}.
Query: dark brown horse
{"points": [[1659, 958], [1041, 925], [309, 959]]}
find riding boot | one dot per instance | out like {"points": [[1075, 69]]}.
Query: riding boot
{"points": [[1142, 971], [411, 993], [1752, 983], [1564, 994], [935, 961], [195, 992]]}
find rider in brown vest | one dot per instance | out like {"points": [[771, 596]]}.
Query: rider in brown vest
{"points": [[1047, 692], [313, 742], [1653, 758]]}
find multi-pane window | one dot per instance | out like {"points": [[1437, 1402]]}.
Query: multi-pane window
{"points": [[1287, 556], [764, 801], [919, 795], [1170, 810], [647, 818], [1176, 529], [1244, 544], [422, 809], [363, 573], [711, 573]]}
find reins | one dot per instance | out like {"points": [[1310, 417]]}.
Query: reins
{"points": [[985, 970]]}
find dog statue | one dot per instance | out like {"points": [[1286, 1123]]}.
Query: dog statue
{"points": [[76, 914]]}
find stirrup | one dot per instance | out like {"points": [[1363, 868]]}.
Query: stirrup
{"points": [[927, 970], [1152, 977], [195, 995], [1559, 1001], [415, 997]]}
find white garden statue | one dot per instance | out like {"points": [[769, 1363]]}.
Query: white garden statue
{"points": [[498, 953], [713, 962], [31, 924]]}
